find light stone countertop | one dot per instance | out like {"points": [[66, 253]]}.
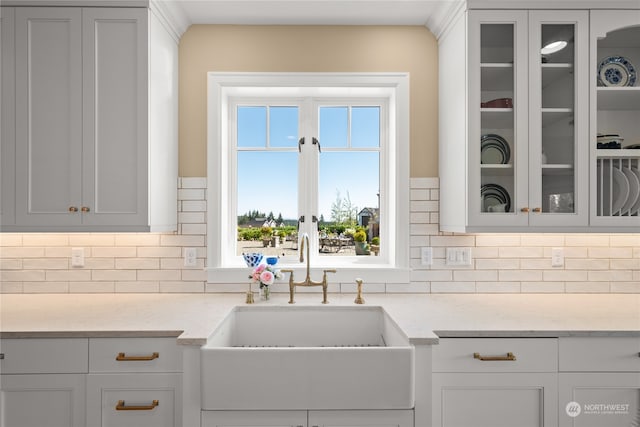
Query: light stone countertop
{"points": [[423, 318]]}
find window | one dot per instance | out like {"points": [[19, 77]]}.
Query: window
{"points": [[320, 154]]}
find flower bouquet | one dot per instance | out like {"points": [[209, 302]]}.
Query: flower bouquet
{"points": [[265, 275]]}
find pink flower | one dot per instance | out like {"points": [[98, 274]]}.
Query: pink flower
{"points": [[267, 277]]}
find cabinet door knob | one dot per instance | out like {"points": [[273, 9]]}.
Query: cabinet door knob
{"points": [[122, 407], [85, 209], [524, 210], [508, 358], [121, 357], [73, 209], [537, 210]]}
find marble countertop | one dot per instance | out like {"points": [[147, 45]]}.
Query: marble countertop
{"points": [[424, 318]]}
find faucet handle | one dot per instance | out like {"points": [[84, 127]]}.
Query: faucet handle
{"points": [[286, 270], [330, 271]]}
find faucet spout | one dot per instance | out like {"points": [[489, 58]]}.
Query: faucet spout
{"points": [[304, 244]]}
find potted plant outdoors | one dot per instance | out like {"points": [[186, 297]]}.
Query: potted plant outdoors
{"points": [[360, 239], [375, 245], [266, 233], [283, 236]]}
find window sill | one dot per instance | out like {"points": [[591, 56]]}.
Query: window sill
{"points": [[370, 274]]}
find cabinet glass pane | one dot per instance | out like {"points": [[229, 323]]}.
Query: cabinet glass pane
{"points": [[618, 127], [497, 143], [557, 62]]}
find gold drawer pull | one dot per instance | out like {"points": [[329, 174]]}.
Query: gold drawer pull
{"points": [[524, 210], [122, 407], [85, 209], [537, 210], [73, 209], [123, 358], [509, 357]]}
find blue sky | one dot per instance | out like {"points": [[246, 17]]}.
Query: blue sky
{"points": [[267, 181]]}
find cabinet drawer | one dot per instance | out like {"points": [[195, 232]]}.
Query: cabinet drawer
{"points": [[44, 356], [134, 355], [600, 354], [467, 354], [123, 400]]}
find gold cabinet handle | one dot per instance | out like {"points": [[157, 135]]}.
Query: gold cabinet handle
{"points": [[85, 209], [73, 209], [537, 210], [121, 357], [122, 407], [524, 210], [509, 357]]}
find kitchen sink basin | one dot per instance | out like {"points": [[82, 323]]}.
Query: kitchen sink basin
{"points": [[297, 357]]}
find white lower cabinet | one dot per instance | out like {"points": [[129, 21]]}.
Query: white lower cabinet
{"points": [[489, 382], [43, 382], [381, 418], [52, 400], [134, 382], [254, 418], [599, 382]]}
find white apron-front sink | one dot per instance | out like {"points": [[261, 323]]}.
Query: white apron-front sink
{"points": [[297, 357]]}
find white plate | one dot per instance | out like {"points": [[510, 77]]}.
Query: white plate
{"points": [[636, 207], [614, 189], [620, 191], [634, 190]]}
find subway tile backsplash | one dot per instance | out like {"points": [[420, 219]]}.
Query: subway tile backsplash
{"points": [[152, 262]]}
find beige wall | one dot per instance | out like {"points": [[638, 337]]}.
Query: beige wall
{"points": [[205, 48]]}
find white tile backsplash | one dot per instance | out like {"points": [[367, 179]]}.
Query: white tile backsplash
{"points": [[152, 262]]}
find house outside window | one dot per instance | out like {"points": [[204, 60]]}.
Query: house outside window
{"points": [[285, 151]]}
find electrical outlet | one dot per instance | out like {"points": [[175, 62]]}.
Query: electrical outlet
{"points": [[458, 256], [557, 257], [190, 257], [77, 257], [426, 256]]}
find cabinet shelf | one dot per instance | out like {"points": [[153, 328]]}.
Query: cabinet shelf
{"points": [[557, 169], [619, 98], [618, 154], [496, 77], [496, 170], [554, 73]]}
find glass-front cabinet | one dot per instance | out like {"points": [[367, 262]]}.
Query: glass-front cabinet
{"points": [[615, 118], [528, 115]]}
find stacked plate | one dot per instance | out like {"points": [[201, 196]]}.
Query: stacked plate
{"points": [[618, 189], [494, 150], [495, 198]]}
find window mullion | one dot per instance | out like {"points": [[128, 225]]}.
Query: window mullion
{"points": [[308, 175]]}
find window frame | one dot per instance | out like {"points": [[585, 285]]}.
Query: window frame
{"points": [[225, 88]]}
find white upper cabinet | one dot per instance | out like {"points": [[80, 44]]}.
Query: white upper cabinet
{"points": [[81, 150], [513, 122], [614, 75]]}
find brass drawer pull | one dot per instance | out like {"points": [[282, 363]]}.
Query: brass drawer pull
{"points": [[537, 210], [524, 210], [124, 358], [73, 209], [509, 357], [122, 407], [85, 209]]}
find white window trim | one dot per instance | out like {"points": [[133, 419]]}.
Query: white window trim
{"points": [[222, 86]]}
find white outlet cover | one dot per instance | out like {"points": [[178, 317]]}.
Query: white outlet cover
{"points": [[77, 257], [426, 255], [557, 257]]}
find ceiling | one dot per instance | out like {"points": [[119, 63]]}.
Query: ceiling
{"points": [[430, 13]]}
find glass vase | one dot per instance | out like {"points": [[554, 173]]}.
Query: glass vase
{"points": [[265, 293]]}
